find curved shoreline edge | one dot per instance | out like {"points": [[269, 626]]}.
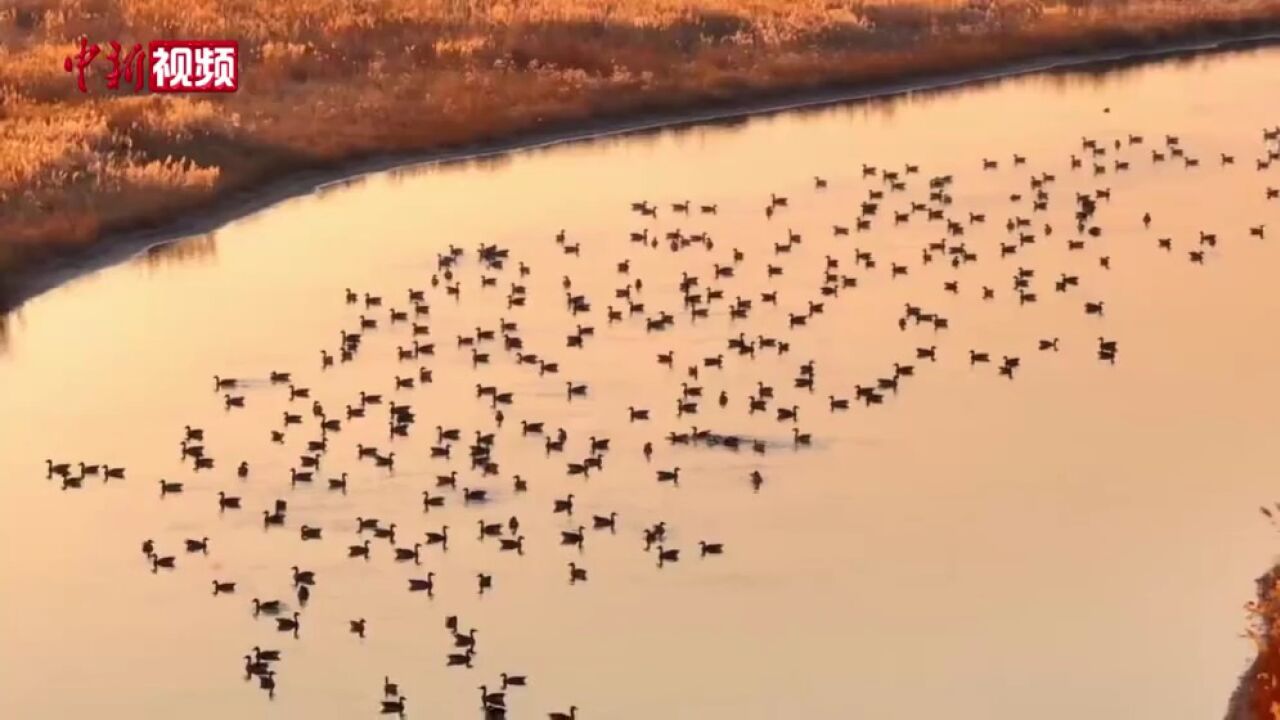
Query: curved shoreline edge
{"points": [[26, 283], [1249, 700]]}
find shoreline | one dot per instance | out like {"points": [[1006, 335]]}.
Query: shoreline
{"points": [[28, 282], [1253, 695]]}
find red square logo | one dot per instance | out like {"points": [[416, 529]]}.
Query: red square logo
{"points": [[194, 66]]}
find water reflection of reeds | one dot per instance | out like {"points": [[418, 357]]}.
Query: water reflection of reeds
{"points": [[1104, 73], [10, 320], [196, 249]]}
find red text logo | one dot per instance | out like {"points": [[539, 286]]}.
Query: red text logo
{"points": [[166, 66]]}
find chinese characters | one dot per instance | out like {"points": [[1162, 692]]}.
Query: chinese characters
{"points": [[167, 66], [194, 66]]}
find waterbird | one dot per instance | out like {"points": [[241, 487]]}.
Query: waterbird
{"points": [[573, 537], [266, 606], [423, 584], [394, 707], [667, 555]]}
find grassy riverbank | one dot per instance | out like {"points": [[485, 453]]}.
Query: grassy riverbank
{"points": [[1258, 696], [326, 82]]}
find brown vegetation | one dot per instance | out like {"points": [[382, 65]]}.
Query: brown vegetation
{"points": [[327, 81], [1258, 697]]}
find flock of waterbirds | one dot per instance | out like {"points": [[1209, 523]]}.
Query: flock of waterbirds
{"points": [[700, 296]]}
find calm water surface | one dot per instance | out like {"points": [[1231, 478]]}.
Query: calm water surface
{"points": [[1075, 543]]}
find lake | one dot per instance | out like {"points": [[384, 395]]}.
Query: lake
{"points": [[1077, 541]]}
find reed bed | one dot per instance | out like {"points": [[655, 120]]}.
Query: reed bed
{"points": [[391, 76]]}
